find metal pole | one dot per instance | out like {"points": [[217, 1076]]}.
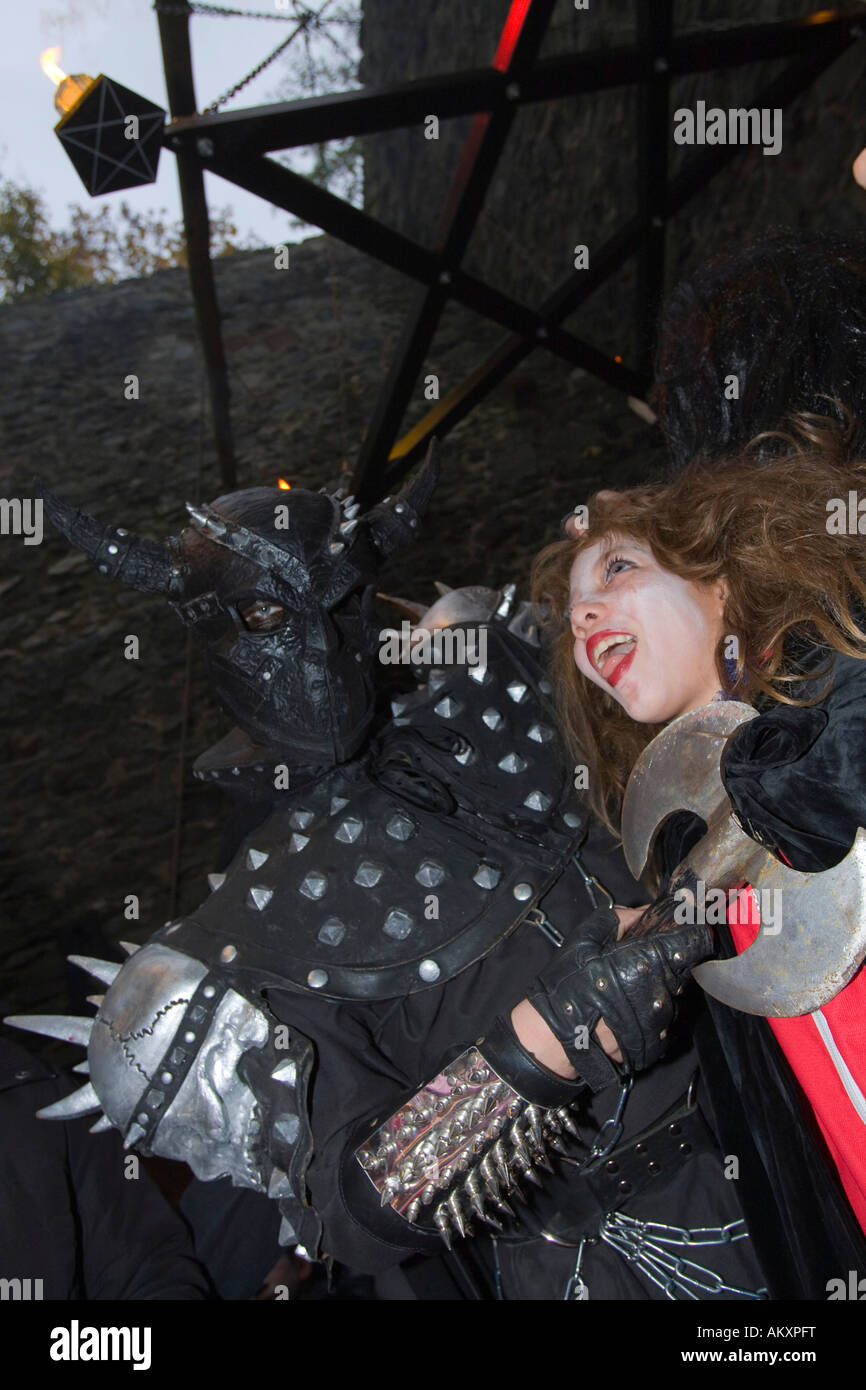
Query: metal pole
{"points": [[177, 63]]}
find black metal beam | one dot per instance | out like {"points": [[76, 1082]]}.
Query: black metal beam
{"points": [[288, 124], [699, 170], [177, 61], [522, 35], [655, 29]]}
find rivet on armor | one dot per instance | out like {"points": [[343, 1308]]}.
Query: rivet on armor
{"points": [[317, 979], [522, 891], [506, 603], [399, 507], [216, 881], [663, 1033], [174, 927], [447, 707], [601, 983], [545, 687], [430, 874], [367, 874], [113, 549], [398, 924], [516, 690], [337, 804], [189, 1037], [429, 971], [624, 1186], [256, 858], [436, 680], [400, 827], [314, 884], [685, 1148], [540, 733], [658, 1004], [297, 842], [568, 1009], [331, 933], [486, 875], [398, 706], [166, 1078], [119, 531], [512, 762], [266, 675], [677, 956], [103, 569], [538, 801], [349, 830], [209, 991], [299, 820], [227, 954], [492, 718], [259, 898]]}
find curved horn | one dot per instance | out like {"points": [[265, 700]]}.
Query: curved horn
{"points": [[143, 564], [395, 521]]}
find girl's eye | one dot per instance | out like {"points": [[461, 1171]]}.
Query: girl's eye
{"points": [[262, 616], [615, 565]]}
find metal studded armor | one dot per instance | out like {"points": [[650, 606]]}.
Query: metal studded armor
{"points": [[395, 865]]}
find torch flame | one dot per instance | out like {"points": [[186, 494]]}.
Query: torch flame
{"points": [[48, 62], [281, 483]]}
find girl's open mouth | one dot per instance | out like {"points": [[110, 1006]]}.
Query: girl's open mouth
{"points": [[611, 653]]}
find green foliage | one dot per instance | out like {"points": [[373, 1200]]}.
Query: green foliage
{"points": [[96, 248]]}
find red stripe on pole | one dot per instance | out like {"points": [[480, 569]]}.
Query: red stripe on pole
{"points": [[510, 33]]}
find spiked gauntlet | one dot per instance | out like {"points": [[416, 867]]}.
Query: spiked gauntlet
{"points": [[632, 984]]}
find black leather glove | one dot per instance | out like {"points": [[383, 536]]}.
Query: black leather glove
{"points": [[632, 984]]}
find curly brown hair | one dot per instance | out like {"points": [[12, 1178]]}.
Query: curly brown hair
{"points": [[763, 527]]}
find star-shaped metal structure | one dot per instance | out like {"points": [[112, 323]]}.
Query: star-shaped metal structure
{"points": [[236, 146], [109, 150]]}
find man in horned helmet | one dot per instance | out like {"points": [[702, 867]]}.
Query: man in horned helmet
{"points": [[333, 1026]]}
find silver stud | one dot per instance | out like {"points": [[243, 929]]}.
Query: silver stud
{"points": [[465, 756], [486, 875], [480, 674], [506, 603], [216, 881], [571, 820], [398, 706], [538, 801], [259, 898], [299, 820], [545, 687], [113, 549], [266, 676], [658, 1004], [601, 982], [447, 707], [337, 804], [492, 718], [400, 827], [540, 733], [522, 891], [430, 874], [398, 924], [677, 956], [331, 933], [349, 830], [286, 1073], [336, 547], [512, 762], [351, 509], [516, 690], [429, 971], [436, 680], [314, 885], [256, 858], [208, 991], [400, 507], [119, 531], [367, 874], [317, 979], [228, 953], [347, 527], [297, 843]]}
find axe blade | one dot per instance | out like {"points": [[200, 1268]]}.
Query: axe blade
{"points": [[678, 771], [802, 961]]}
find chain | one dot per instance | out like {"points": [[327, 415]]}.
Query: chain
{"points": [[167, 7]]}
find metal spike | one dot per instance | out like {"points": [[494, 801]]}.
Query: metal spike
{"points": [[63, 1026], [215, 881], [279, 1185], [256, 858], [507, 600], [259, 898], [516, 690], [524, 1166], [538, 801], [347, 527], [105, 970], [533, 1120], [492, 718], [478, 674], [82, 1102], [500, 1160], [540, 733], [567, 1122], [491, 1182], [351, 511], [286, 1073], [133, 1134], [443, 1224], [102, 1124], [441, 588], [97, 1000], [512, 762], [389, 1190], [413, 1210], [556, 1145], [83, 1068], [130, 947], [453, 1204]]}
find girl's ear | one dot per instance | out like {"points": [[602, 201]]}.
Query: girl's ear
{"points": [[723, 591]]}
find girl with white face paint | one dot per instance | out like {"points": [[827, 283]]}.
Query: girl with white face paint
{"points": [[741, 582]]}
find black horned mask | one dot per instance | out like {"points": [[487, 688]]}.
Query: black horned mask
{"points": [[279, 586]]}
